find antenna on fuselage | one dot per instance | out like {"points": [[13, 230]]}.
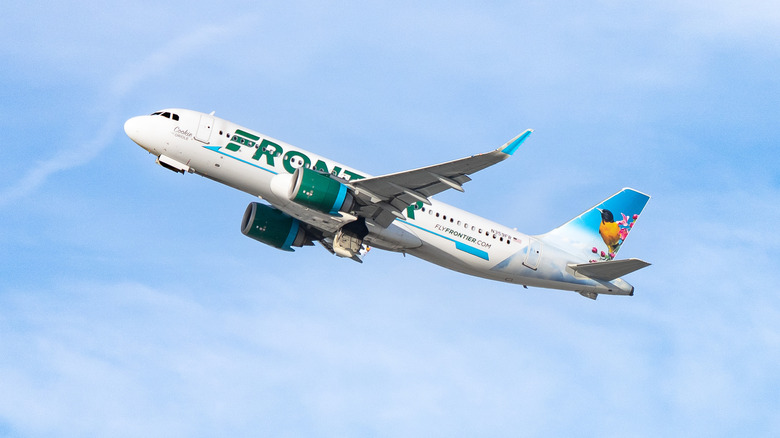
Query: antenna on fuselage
{"points": [[212, 113]]}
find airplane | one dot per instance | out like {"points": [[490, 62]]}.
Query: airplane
{"points": [[309, 198]]}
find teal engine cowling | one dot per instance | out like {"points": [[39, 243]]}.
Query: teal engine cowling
{"points": [[320, 192], [273, 227]]}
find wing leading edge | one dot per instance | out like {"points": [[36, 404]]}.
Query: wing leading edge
{"points": [[383, 198]]}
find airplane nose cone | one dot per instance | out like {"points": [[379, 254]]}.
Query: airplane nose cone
{"points": [[133, 129]]}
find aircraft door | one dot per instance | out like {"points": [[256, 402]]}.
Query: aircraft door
{"points": [[204, 128], [534, 253]]}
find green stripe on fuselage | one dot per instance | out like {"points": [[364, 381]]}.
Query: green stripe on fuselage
{"points": [[247, 135]]}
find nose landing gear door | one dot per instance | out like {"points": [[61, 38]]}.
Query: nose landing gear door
{"points": [[204, 128]]}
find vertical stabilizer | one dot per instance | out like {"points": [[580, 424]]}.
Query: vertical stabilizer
{"points": [[598, 233]]}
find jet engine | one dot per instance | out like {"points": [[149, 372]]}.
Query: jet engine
{"points": [[273, 227], [320, 192]]}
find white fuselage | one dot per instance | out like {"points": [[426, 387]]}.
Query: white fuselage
{"points": [[439, 233]]}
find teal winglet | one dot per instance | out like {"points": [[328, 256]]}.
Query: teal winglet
{"points": [[515, 143]]}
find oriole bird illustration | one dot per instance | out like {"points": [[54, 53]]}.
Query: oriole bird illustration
{"points": [[609, 230]]}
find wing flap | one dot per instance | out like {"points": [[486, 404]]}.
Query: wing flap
{"points": [[609, 270]]}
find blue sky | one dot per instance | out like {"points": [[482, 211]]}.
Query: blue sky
{"points": [[131, 305]]}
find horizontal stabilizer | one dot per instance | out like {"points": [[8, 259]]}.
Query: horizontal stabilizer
{"points": [[609, 270]]}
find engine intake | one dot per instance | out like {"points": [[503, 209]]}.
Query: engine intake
{"points": [[273, 227], [320, 192]]}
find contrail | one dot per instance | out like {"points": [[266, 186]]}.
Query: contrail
{"points": [[161, 60]]}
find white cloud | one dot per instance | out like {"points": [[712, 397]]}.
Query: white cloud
{"points": [[187, 346], [727, 22], [128, 359]]}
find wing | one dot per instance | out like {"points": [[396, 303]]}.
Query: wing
{"points": [[383, 198]]}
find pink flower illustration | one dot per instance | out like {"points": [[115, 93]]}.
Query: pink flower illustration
{"points": [[603, 254], [594, 250], [623, 233]]}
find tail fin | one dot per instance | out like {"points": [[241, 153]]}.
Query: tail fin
{"points": [[598, 233]]}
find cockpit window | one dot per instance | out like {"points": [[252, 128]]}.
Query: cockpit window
{"points": [[167, 115]]}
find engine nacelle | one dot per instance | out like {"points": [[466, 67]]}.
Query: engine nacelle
{"points": [[273, 227], [320, 192]]}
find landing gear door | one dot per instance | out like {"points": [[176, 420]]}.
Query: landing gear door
{"points": [[534, 253], [204, 128]]}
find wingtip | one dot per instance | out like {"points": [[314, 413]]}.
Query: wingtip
{"points": [[511, 146]]}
